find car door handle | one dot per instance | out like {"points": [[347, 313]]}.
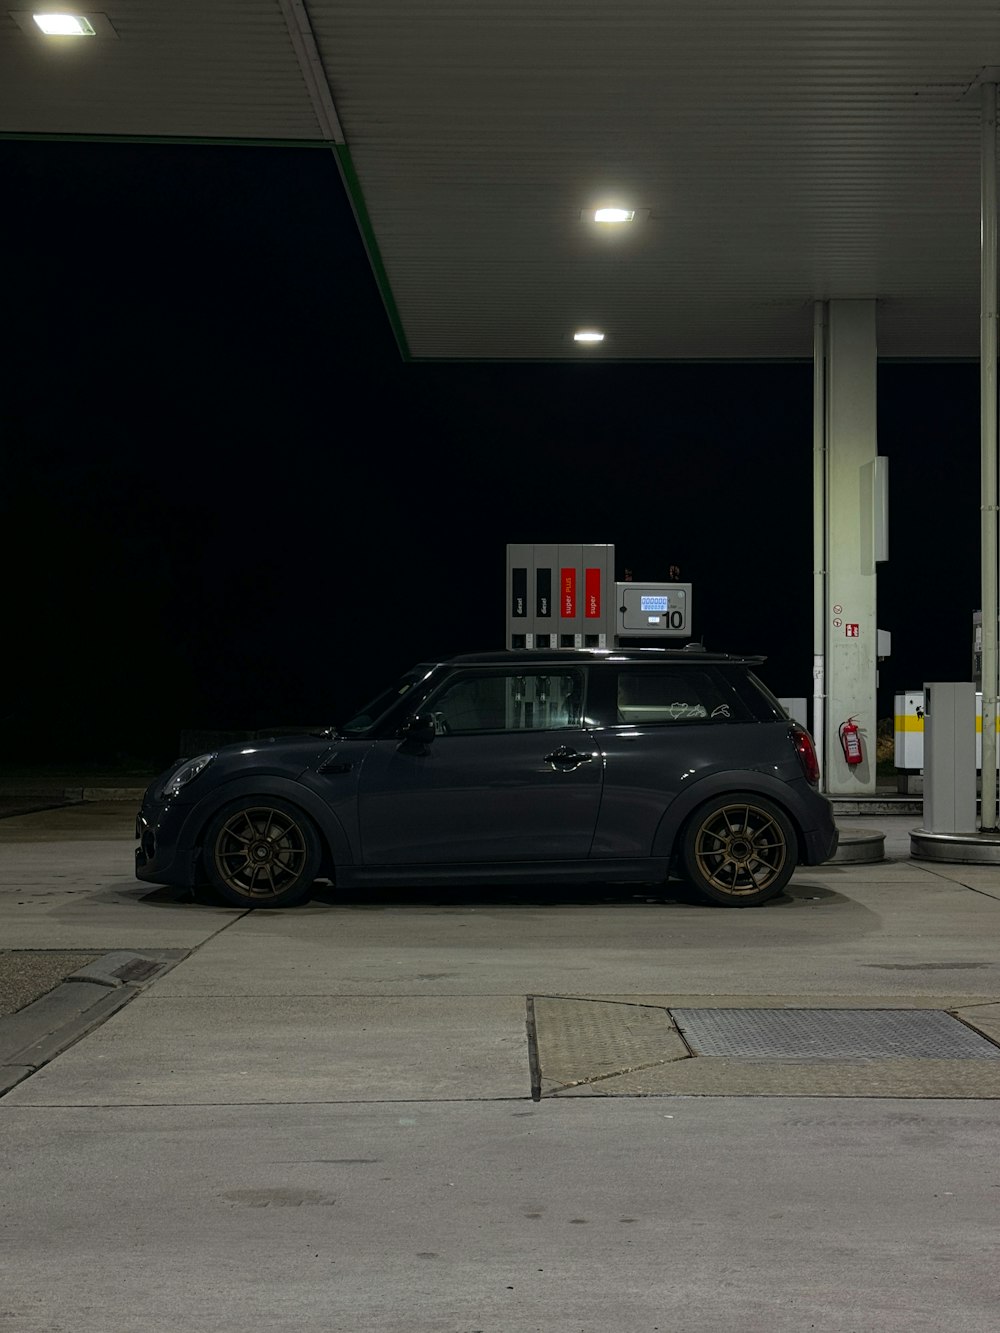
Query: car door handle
{"points": [[565, 760]]}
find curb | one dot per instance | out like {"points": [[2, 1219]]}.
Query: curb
{"points": [[859, 846], [106, 794], [39, 1032]]}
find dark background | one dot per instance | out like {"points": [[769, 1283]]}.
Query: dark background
{"points": [[228, 503]]}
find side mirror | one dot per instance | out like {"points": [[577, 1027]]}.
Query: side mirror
{"points": [[417, 732]]}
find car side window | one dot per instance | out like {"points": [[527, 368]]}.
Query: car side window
{"points": [[508, 701], [671, 695]]}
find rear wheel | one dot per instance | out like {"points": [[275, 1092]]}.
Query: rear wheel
{"points": [[262, 853], [739, 850]]}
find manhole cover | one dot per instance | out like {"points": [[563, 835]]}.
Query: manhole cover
{"points": [[831, 1034]]}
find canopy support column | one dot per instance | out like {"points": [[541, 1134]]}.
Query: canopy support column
{"points": [[849, 605], [988, 445]]}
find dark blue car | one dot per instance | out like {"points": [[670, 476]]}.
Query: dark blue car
{"points": [[623, 766]]}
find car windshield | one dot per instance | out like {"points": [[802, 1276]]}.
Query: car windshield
{"points": [[371, 712]]}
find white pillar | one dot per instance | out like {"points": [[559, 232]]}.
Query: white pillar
{"points": [[988, 443], [819, 533], [851, 449]]}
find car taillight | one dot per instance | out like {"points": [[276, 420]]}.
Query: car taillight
{"points": [[806, 751]]}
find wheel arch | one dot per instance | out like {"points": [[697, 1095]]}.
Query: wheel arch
{"points": [[333, 839], [670, 830]]}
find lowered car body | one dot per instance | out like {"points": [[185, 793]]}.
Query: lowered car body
{"points": [[574, 765]]}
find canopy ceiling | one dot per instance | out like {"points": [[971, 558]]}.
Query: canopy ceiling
{"points": [[777, 152]]}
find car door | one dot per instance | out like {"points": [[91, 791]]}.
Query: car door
{"points": [[511, 775]]}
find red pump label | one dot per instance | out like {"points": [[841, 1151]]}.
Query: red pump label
{"points": [[567, 602], [592, 594]]}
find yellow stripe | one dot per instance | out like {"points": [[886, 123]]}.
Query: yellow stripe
{"points": [[907, 722]]}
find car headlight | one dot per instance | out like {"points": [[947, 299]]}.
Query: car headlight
{"points": [[186, 773]]}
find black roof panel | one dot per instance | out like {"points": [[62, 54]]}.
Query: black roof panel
{"points": [[537, 657]]}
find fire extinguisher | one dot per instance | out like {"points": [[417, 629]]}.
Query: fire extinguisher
{"points": [[850, 740]]}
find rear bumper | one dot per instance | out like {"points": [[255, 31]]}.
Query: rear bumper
{"points": [[820, 845], [817, 829]]}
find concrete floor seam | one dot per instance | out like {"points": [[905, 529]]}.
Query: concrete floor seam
{"points": [[616, 1073], [277, 1104]]}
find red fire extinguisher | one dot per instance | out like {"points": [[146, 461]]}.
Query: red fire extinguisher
{"points": [[850, 739]]}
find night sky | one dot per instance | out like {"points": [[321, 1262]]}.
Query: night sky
{"points": [[228, 503]]}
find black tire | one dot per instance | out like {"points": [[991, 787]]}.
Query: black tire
{"points": [[261, 852], [739, 849]]}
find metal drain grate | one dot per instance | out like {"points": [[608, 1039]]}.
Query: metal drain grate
{"points": [[831, 1034]]}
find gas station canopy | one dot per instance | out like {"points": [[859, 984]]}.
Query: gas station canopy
{"points": [[774, 154]]}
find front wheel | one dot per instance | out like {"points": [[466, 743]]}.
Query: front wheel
{"points": [[739, 850], [262, 853]]}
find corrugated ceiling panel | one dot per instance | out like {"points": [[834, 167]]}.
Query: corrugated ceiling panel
{"points": [[207, 70], [780, 151], [785, 151]]}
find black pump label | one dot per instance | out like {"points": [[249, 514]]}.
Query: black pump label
{"points": [[519, 592], [543, 592]]}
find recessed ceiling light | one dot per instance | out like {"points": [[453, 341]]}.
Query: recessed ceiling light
{"points": [[588, 336], [614, 214], [64, 25]]}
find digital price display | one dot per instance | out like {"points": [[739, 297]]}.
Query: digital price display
{"points": [[654, 610]]}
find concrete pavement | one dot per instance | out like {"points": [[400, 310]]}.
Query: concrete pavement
{"points": [[323, 1119]]}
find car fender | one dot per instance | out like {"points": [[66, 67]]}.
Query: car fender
{"points": [[718, 784], [264, 785]]}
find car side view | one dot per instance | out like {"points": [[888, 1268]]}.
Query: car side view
{"points": [[573, 765]]}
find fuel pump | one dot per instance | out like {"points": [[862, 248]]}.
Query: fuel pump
{"points": [[566, 596]]}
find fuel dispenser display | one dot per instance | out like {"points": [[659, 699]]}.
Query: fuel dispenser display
{"points": [[565, 596]]}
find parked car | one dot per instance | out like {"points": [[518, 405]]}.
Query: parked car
{"points": [[565, 766]]}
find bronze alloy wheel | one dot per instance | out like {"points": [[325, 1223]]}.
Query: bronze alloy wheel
{"points": [[740, 850], [262, 855]]}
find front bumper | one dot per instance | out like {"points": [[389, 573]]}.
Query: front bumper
{"points": [[164, 854]]}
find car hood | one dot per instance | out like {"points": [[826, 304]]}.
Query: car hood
{"points": [[275, 751]]}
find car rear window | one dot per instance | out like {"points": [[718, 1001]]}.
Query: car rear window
{"points": [[674, 695], [757, 697]]}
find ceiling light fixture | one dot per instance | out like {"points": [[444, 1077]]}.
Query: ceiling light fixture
{"points": [[64, 25], [614, 214], [588, 336]]}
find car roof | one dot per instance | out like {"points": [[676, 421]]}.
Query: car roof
{"points": [[694, 654]]}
